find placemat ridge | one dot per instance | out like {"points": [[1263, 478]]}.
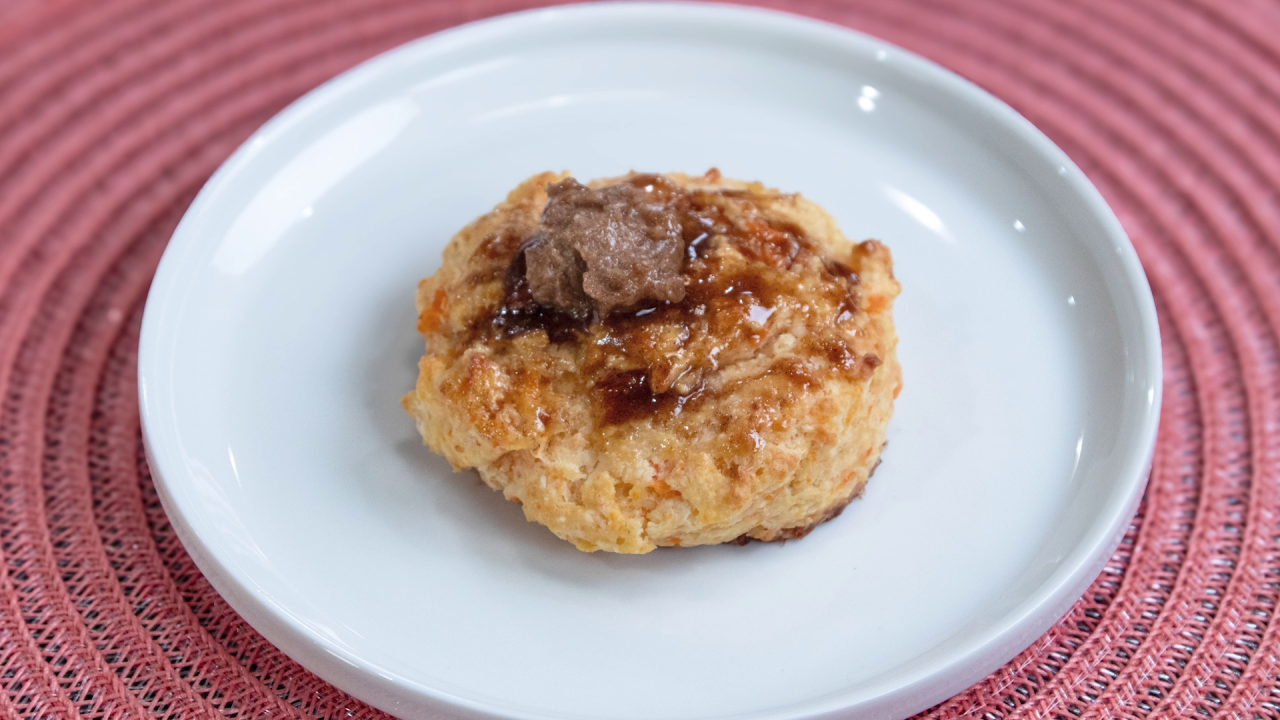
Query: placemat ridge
{"points": [[113, 113]]}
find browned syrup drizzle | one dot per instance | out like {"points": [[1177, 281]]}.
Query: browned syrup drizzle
{"points": [[629, 395]]}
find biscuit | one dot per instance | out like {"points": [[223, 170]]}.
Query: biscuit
{"points": [[754, 407]]}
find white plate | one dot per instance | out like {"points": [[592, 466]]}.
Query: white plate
{"points": [[279, 335]]}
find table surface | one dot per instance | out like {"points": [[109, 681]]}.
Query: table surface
{"points": [[113, 113]]}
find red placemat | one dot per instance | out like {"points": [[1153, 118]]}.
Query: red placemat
{"points": [[113, 113]]}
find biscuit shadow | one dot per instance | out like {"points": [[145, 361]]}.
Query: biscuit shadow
{"points": [[477, 520]]}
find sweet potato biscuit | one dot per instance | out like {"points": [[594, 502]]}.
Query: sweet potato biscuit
{"points": [[754, 406]]}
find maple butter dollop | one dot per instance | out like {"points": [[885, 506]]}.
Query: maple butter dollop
{"points": [[605, 249]]}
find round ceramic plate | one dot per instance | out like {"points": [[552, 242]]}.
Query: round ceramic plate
{"points": [[279, 336]]}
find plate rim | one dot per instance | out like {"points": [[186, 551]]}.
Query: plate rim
{"points": [[387, 690]]}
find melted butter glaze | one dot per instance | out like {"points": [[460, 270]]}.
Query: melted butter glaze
{"points": [[629, 395]]}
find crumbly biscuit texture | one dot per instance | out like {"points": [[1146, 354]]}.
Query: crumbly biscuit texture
{"points": [[755, 407]]}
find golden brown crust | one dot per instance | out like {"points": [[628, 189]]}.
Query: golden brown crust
{"points": [[754, 407]]}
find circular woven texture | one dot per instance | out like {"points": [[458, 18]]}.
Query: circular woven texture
{"points": [[114, 112]]}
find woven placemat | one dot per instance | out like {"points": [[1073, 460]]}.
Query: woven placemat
{"points": [[114, 112]]}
